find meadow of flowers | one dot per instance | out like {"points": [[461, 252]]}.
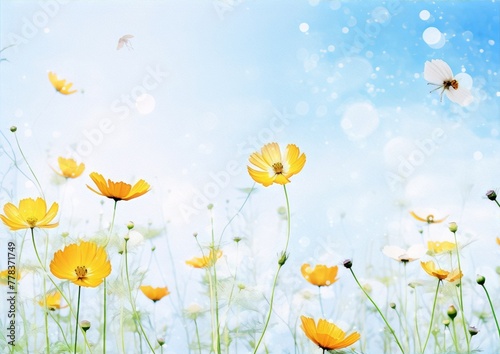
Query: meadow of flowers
{"points": [[87, 293], [237, 176]]}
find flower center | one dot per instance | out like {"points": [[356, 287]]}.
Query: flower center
{"points": [[81, 272], [278, 168], [32, 221], [430, 219]]}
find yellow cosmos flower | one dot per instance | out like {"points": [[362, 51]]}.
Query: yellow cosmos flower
{"points": [[327, 335], [429, 219], [441, 274], [320, 275], [84, 264], [4, 276], [273, 167], [118, 190], [52, 301], [436, 247], [498, 241], [69, 168], [155, 294], [205, 261], [60, 84], [30, 214]]}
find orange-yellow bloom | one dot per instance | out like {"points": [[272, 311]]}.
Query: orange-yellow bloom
{"points": [[273, 167], [155, 294], [118, 190], [498, 241], [205, 261], [85, 264], [69, 168], [327, 335], [320, 275], [441, 274], [436, 247], [7, 276], [30, 214], [428, 219], [60, 84], [52, 301]]}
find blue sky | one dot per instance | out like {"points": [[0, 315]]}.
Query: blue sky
{"points": [[342, 80]]}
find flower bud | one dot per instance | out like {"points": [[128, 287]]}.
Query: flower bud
{"points": [[446, 322], [13, 129], [283, 259], [130, 225], [210, 206], [480, 279], [492, 195], [85, 325], [452, 312], [392, 305], [348, 263], [161, 341], [236, 239], [473, 331], [453, 227]]}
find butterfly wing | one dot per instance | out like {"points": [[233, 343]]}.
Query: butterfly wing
{"points": [[437, 71], [462, 95]]}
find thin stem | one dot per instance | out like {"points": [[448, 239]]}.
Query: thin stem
{"points": [[432, 315], [281, 262], [492, 309], [216, 297], [132, 302], [379, 311], [320, 302], [29, 167], [455, 338], [77, 315], [461, 298], [104, 301], [416, 326], [197, 335]]}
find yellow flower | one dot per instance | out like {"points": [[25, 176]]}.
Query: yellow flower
{"points": [[204, 261], [84, 264], [60, 84], [4, 276], [327, 335], [69, 168], [155, 294], [53, 301], [30, 214], [320, 275], [118, 190], [428, 219], [273, 167], [441, 274], [436, 247], [498, 241]]}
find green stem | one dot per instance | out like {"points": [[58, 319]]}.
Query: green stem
{"points": [[492, 309], [432, 315], [61, 330], [455, 338], [320, 302], [104, 300], [461, 298], [77, 315], [216, 295], [197, 335], [29, 167], [281, 262], [132, 302], [379, 311]]}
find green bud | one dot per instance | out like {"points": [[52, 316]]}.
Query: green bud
{"points": [[392, 305], [130, 225], [480, 279], [446, 322], [283, 259], [453, 227], [473, 331], [13, 129], [492, 195], [348, 263], [85, 325], [452, 312]]}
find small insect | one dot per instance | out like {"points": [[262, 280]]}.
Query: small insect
{"points": [[437, 72], [125, 41]]}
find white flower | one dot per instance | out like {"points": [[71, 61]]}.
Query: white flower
{"points": [[437, 72], [402, 255]]}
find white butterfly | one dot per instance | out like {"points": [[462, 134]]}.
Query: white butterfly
{"points": [[125, 41], [439, 73]]}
